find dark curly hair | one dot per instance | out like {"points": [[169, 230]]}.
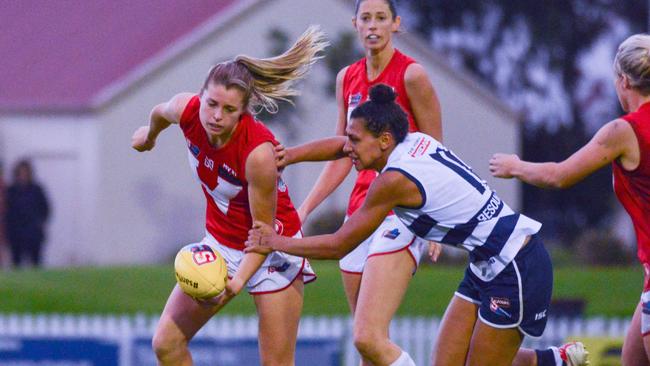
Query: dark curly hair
{"points": [[382, 114]]}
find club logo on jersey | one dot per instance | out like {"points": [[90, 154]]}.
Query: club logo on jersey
{"points": [[209, 163], [498, 304], [193, 149], [280, 268], [203, 254], [391, 234]]}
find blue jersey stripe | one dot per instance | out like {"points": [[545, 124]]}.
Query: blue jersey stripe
{"points": [[422, 225], [460, 232], [497, 238]]}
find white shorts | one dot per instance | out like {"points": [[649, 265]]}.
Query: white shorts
{"points": [[390, 237], [278, 271]]}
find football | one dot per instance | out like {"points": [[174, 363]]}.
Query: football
{"points": [[201, 271]]}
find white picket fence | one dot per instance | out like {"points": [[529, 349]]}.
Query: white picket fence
{"points": [[414, 334]]}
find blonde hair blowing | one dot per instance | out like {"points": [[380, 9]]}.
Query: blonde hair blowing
{"points": [[633, 60]]}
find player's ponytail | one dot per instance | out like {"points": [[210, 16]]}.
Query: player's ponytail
{"points": [[633, 60], [382, 113], [265, 81]]}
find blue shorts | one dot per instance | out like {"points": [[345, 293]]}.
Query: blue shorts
{"points": [[519, 296]]}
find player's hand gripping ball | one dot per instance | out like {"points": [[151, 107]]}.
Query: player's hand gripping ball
{"points": [[201, 271]]}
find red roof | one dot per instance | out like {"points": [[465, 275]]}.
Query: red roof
{"points": [[59, 55]]}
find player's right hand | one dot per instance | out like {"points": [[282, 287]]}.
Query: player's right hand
{"points": [[282, 156], [140, 139], [260, 238]]}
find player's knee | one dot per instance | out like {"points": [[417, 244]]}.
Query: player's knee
{"points": [[166, 347], [366, 341]]}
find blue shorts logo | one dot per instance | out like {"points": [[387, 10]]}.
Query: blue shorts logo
{"points": [[391, 234], [281, 268], [497, 305], [646, 307]]}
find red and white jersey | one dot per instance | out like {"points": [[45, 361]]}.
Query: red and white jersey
{"points": [[633, 187], [222, 175], [355, 91]]}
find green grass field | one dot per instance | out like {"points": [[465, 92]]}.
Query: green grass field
{"points": [[124, 290]]}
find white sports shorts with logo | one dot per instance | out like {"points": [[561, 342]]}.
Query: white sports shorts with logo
{"points": [[645, 301], [390, 237], [278, 271]]}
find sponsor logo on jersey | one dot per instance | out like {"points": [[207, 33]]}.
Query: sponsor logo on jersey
{"points": [[391, 234], [498, 304], [419, 147], [230, 170], [493, 206], [203, 254], [541, 315], [280, 268]]}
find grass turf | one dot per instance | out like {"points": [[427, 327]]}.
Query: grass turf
{"points": [[144, 289]]}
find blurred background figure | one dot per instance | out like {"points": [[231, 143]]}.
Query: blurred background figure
{"points": [[27, 210], [4, 252]]}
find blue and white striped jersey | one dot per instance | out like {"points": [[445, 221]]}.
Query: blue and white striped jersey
{"points": [[458, 208]]}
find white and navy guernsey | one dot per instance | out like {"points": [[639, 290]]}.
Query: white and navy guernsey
{"points": [[458, 208]]}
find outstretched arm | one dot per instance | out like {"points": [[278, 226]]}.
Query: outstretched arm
{"points": [[387, 191], [161, 117], [615, 140]]}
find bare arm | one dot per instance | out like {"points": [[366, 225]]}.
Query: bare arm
{"points": [[329, 148], [161, 117], [424, 101], [387, 191], [335, 171], [615, 140], [262, 197]]}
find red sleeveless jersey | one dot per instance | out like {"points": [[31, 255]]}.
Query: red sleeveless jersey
{"points": [[633, 187], [355, 91], [222, 175]]}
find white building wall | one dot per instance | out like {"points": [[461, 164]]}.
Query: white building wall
{"points": [[141, 207], [63, 153]]}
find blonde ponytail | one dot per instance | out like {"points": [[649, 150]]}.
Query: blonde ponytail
{"points": [[265, 81]]}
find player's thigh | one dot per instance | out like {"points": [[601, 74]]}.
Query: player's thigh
{"points": [[493, 346], [455, 333], [351, 284], [634, 349], [279, 316], [384, 283], [181, 318]]}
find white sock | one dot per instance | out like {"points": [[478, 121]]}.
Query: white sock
{"points": [[403, 360]]}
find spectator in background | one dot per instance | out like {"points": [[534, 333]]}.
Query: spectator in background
{"points": [[3, 203], [27, 210]]}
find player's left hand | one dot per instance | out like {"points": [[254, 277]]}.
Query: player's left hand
{"points": [[260, 238], [502, 165], [434, 251]]}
